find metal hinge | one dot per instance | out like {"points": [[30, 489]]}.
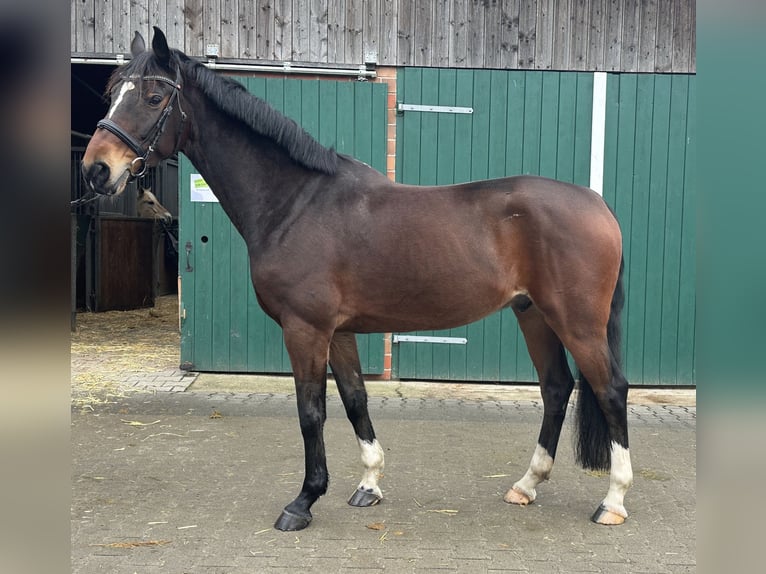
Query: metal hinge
{"points": [[424, 339], [402, 107]]}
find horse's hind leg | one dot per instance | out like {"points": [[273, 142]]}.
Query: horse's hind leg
{"points": [[601, 429], [556, 385], [344, 362], [602, 424]]}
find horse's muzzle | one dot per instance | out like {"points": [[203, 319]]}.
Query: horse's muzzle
{"points": [[97, 177]]}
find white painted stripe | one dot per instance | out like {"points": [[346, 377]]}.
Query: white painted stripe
{"points": [[597, 133], [123, 90]]}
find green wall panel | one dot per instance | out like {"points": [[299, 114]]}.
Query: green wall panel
{"points": [[225, 329], [540, 123], [649, 167], [523, 122]]}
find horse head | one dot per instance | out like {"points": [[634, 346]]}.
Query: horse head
{"points": [[145, 121], [149, 206]]}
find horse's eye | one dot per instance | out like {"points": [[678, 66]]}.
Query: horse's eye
{"points": [[155, 99]]}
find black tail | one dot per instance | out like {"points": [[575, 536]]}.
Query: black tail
{"points": [[592, 440]]}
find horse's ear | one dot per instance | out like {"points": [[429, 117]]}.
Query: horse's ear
{"points": [[160, 46], [137, 45]]}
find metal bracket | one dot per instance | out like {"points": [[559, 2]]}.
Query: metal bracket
{"points": [[401, 107], [424, 339]]}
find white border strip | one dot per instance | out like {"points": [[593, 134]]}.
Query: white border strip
{"points": [[597, 133]]}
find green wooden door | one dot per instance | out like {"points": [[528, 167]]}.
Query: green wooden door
{"points": [[522, 122], [223, 328], [649, 168], [540, 123]]}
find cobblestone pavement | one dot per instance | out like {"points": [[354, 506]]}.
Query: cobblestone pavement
{"points": [[179, 480]]}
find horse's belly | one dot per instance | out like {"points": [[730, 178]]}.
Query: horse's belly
{"points": [[416, 308]]}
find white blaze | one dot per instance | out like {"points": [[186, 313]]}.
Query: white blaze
{"points": [[124, 89]]}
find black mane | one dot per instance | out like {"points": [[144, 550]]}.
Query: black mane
{"points": [[233, 98]]}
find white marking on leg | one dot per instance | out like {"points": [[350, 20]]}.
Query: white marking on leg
{"points": [[539, 470], [124, 89], [373, 461], [620, 480]]}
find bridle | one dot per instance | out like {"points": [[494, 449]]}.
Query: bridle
{"points": [[139, 165]]}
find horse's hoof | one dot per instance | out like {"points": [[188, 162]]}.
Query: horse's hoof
{"points": [[514, 496], [289, 522], [363, 498], [607, 517]]}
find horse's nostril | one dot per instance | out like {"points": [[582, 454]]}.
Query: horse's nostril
{"points": [[96, 175]]}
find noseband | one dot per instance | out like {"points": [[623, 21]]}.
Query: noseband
{"points": [[139, 164]]}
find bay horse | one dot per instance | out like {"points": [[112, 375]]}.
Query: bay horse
{"points": [[336, 248]]}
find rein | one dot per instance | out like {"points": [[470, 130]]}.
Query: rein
{"points": [[139, 166], [84, 199]]}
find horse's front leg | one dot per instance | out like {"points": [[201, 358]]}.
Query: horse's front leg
{"points": [[308, 350]]}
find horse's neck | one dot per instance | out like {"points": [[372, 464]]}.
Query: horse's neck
{"points": [[248, 174]]}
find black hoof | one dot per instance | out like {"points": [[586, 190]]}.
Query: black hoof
{"points": [[363, 498], [289, 522]]}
